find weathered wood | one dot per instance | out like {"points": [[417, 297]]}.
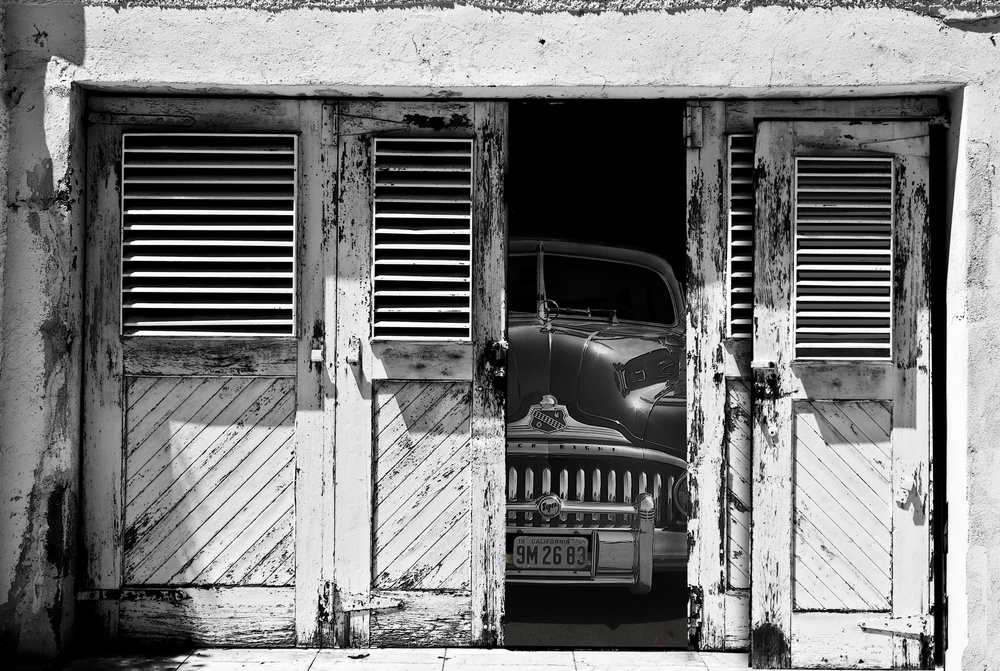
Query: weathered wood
{"points": [[102, 374], [422, 476], [360, 361], [193, 115], [264, 549], [842, 511], [739, 496], [156, 355], [353, 442], [849, 511], [737, 627], [219, 616], [313, 448], [213, 486], [771, 607], [489, 319], [324, 592], [706, 398], [425, 620], [912, 539], [818, 380], [740, 115], [737, 355], [834, 641], [421, 361]]}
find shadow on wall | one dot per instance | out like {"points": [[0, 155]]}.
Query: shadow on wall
{"points": [[40, 329]]}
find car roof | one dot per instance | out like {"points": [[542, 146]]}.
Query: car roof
{"points": [[522, 246]]}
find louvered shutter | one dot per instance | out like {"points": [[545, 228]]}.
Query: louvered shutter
{"points": [[843, 258], [208, 234], [423, 238], [741, 200]]}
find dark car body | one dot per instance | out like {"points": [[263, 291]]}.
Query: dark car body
{"points": [[596, 415]]}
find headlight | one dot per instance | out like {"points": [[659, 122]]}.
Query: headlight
{"points": [[682, 498]]}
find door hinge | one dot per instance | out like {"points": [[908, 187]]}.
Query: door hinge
{"points": [[695, 605], [694, 127], [912, 626]]}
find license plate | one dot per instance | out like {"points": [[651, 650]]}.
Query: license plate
{"points": [[551, 552]]}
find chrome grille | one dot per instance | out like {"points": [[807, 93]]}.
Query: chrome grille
{"points": [[595, 480]]}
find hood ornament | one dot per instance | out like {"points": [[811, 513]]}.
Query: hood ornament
{"points": [[548, 416], [547, 310]]}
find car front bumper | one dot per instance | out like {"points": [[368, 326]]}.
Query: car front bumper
{"points": [[619, 555]]}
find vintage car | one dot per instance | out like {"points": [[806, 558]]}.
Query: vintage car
{"points": [[596, 429]]}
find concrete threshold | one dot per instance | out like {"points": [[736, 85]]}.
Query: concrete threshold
{"points": [[406, 659]]}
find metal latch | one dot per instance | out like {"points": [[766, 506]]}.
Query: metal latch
{"points": [[766, 385], [496, 356], [912, 626]]}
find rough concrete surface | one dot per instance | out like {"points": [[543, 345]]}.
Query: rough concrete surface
{"points": [[495, 49]]}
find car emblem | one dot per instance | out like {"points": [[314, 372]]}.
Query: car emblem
{"points": [[547, 416], [549, 505]]}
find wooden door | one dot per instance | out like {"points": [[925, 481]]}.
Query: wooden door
{"points": [[720, 217], [204, 462], [841, 544], [420, 257]]}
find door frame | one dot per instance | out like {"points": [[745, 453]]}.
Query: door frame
{"points": [[719, 615]]}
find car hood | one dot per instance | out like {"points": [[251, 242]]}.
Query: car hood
{"points": [[626, 377]]}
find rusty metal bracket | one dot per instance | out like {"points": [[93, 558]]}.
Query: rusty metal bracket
{"points": [[913, 626], [348, 602], [766, 385]]}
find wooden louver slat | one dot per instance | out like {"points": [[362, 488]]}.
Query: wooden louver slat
{"points": [[741, 204], [422, 252], [208, 234], [843, 258]]}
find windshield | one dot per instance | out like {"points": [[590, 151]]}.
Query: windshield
{"points": [[577, 283]]}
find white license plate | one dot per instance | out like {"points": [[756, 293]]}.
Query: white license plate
{"points": [[551, 552]]}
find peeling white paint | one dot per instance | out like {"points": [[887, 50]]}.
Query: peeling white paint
{"points": [[298, 48]]}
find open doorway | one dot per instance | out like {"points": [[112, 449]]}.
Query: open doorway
{"points": [[597, 497]]}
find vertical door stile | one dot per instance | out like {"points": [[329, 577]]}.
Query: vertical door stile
{"points": [[313, 453], [353, 442], [103, 414], [327, 343], [912, 551], [770, 613], [489, 268], [706, 302]]}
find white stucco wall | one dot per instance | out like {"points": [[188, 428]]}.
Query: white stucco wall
{"points": [[275, 48]]}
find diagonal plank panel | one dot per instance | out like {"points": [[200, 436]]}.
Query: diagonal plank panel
{"points": [[422, 475], [209, 472], [842, 506], [739, 459]]}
